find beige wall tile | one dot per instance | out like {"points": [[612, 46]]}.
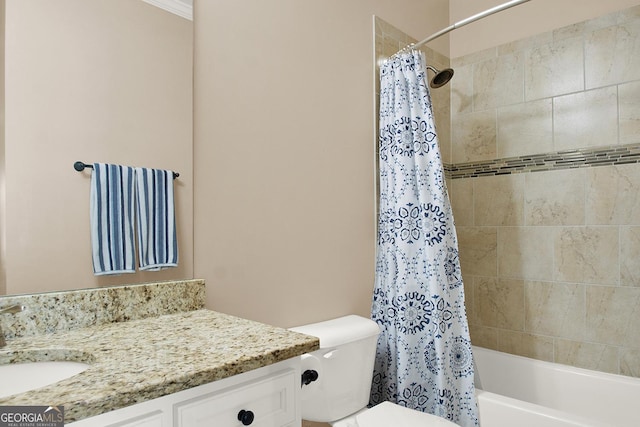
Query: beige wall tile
{"points": [[467, 282], [462, 90], [554, 69], [586, 119], [498, 82], [587, 255], [629, 14], [586, 355], [444, 141], [555, 309], [391, 32], [603, 21], [461, 197], [474, 136], [385, 28], [478, 250], [629, 115], [474, 57], [484, 337], [378, 25], [613, 195], [525, 128], [612, 55], [526, 43], [499, 303], [434, 58], [554, 198], [570, 31], [526, 252], [580, 237], [630, 362], [613, 315], [499, 200], [527, 345], [630, 256], [440, 102], [380, 57], [390, 45]]}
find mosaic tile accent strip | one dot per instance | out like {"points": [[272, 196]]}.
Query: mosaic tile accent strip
{"points": [[568, 159]]}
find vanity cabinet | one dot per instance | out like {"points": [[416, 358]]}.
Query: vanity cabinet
{"points": [[264, 397]]}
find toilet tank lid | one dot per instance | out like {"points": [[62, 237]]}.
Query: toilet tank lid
{"points": [[342, 330]]}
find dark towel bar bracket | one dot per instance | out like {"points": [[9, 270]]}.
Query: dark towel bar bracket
{"points": [[79, 166]]}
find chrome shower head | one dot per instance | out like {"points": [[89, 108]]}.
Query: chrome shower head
{"points": [[441, 77]]}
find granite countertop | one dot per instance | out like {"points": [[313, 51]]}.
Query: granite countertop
{"points": [[140, 360]]}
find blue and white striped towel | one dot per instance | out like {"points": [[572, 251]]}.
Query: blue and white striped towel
{"points": [[157, 242], [112, 219]]}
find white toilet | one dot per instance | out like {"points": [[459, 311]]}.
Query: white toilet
{"points": [[344, 366]]}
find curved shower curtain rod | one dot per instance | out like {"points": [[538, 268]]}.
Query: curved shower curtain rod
{"points": [[466, 21]]}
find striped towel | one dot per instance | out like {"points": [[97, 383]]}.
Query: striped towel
{"points": [[112, 219], [157, 242]]}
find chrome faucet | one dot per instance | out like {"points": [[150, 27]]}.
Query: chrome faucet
{"points": [[13, 309]]}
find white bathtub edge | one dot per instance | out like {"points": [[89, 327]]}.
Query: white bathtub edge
{"points": [[528, 414]]}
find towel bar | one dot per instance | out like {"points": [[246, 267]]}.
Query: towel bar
{"points": [[79, 166]]}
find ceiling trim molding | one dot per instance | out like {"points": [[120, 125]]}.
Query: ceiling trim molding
{"points": [[177, 7]]}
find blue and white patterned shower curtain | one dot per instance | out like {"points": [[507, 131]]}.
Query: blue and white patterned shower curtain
{"points": [[424, 359]]}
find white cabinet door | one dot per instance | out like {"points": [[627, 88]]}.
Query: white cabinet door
{"points": [[265, 402], [147, 414], [154, 419], [270, 393]]}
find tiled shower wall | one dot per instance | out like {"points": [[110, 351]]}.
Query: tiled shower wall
{"points": [[546, 193], [541, 139]]}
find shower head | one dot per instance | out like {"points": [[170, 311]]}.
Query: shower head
{"points": [[441, 77]]}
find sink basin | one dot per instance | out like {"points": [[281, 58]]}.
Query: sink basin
{"points": [[21, 377]]}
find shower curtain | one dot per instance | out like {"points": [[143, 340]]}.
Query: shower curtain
{"points": [[423, 359]]}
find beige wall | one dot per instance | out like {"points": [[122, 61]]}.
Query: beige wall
{"points": [[100, 81], [550, 257], [284, 153], [525, 20], [3, 213]]}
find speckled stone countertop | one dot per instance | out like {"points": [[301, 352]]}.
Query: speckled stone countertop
{"points": [[143, 359], [53, 312]]}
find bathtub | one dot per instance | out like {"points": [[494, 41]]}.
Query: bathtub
{"points": [[516, 391]]}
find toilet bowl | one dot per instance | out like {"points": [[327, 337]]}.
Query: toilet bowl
{"points": [[339, 374]]}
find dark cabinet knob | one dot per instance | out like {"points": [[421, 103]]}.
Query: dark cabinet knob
{"points": [[309, 376], [245, 417]]}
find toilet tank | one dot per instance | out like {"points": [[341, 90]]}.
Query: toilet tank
{"points": [[344, 364]]}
